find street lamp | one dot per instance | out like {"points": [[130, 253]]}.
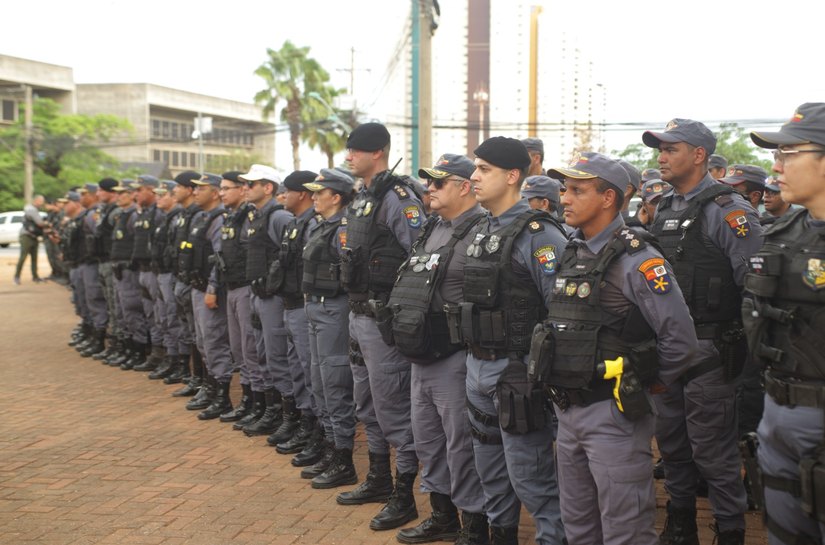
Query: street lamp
{"points": [[482, 97]]}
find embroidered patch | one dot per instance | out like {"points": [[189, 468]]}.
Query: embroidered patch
{"points": [[413, 215], [546, 257], [738, 222], [814, 277], [342, 238], [656, 275]]}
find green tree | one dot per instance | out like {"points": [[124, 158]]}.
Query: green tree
{"points": [[289, 75], [235, 160], [64, 149], [324, 129]]}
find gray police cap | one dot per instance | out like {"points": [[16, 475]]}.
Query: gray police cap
{"points": [[542, 187], [591, 165], [717, 161], [682, 130], [333, 179]]}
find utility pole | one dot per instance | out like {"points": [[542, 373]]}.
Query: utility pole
{"points": [[425, 108], [532, 121], [28, 167]]}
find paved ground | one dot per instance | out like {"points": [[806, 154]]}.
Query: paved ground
{"points": [[95, 455]]}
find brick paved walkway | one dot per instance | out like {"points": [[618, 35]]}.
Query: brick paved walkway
{"points": [[95, 455]]}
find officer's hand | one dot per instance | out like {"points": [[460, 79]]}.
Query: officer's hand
{"points": [[211, 300], [657, 388]]}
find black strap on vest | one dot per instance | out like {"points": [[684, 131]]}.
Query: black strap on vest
{"points": [[481, 416], [786, 536]]}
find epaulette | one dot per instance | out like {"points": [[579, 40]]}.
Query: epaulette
{"points": [[319, 218], [631, 239], [723, 200], [401, 191], [343, 220], [535, 226]]}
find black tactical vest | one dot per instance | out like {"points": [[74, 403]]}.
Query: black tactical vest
{"points": [[144, 231], [233, 253], [322, 264], [200, 245], [103, 231], [703, 272], [419, 326], [71, 242], [785, 321], [123, 240], [290, 258], [261, 250], [163, 243], [373, 254], [503, 308], [183, 260], [584, 332]]}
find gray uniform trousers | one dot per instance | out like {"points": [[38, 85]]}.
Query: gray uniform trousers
{"points": [[183, 298], [212, 335], [242, 336], [95, 301], [131, 302], [788, 434], [520, 468], [604, 459], [389, 383], [168, 308], [297, 328], [364, 408], [332, 382], [696, 433], [149, 282], [107, 281], [79, 294], [273, 337], [442, 432]]}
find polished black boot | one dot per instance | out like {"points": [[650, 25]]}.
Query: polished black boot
{"points": [[165, 369], [301, 437], [82, 335], [322, 464], [220, 403], [680, 527], [503, 535], [474, 529], [443, 524], [190, 388], [400, 508], [243, 408], [204, 397], [96, 346], [180, 372], [123, 353], [376, 488], [257, 411], [156, 358], [314, 449], [138, 356], [270, 419], [111, 342], [339, 472], [728, 537], [290, 420]]}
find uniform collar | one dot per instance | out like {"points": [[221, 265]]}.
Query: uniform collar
{"points": [[707, 181], [510, 215], [464, 216], [598, 242]]}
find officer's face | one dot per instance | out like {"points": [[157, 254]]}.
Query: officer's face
{"points": [[258, 191], [582, 203], [360, 162], [232, 194], [679, 160], [145, 196], [293, 199], [326, 202], [491, 183], [204, 195], [801, 175], [773, 201], [125, 198], [181, 193]]}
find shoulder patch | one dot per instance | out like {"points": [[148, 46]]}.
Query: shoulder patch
{"points": [[401, 192], [723, 200], [546, 259], [342, 238], [738, 222], [535, 226], [413, 215], [656, 275]]}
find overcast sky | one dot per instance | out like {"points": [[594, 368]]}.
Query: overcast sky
{"points": [[710, 60]]}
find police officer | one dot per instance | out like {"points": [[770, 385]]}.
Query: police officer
{"points": [[543, 193], [293, 435], [70, 245], [707, 231], [614, 295], [92, 287], [267, 224], [748, 181], [632, 188], [784, 321], [148, 218], [535, 147], [327, 309], [382, 223], [717, 166], [431, 278], [232, 275], [508, 282], [103, 246], [652, 191]]}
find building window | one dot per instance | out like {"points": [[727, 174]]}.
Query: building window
{"points": [[156, 155], [174, 131], [166, 157], [155, 128], [9, 110], [165, 129], [183, 159], [193, 162], [175, 158]]}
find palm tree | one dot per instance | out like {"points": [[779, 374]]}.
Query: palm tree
{"points": [[290, 74], [323, 128]]}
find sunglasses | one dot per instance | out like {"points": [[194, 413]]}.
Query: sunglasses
{"points": [[438, 183]]}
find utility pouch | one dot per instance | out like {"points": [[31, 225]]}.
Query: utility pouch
{"points": [[453, 314], [521, 407], [352, 270], [645, 362], [410, 331], [733, 349], [275, 278], [258, 287], [383, 320], [540, 360], [633, 396], [812, 486], [468, 323]]}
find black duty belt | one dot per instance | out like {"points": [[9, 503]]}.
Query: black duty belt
{"points": [[564, 398], [314, 298], [795, 393], [291, 302], [235, 285], [698, 370], [360, 307], [487, 354]]}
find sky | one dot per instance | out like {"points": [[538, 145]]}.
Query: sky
{"points": [[709, 60]]}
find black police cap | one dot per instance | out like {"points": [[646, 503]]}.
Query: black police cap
{"points": [[187, 178], [296, 180], [368, 137], [503, 152], [108, 184], [232, 176]]}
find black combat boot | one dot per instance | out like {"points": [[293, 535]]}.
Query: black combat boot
{"points": [[123, 354], [290, 420], [110, 342], [220, 402], [400, 508], [443, 524], [376, 488], [243, 408], [190, 388], [138, 356], [155, 359], [502, 535], [301, 438], [680, 527], [728, 537], [96, 346], [314, 449], [205, 395], [165, 369], [474, 529], [339, 472], [256, 412], [81, 336], [270, 419], [322, 464], [180, 372]]}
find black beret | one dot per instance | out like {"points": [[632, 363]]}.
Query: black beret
{"points": [[503, 152], [233, 176], [187, 177], [296, 180], [368, 137]]}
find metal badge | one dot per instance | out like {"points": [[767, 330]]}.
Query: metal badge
{"points": [[474, 249], [493, 244], [293, 234], [583, 291], [470, 249], [423, 258], [570, 289], [368, 209], [419, 267], [477, 251]]}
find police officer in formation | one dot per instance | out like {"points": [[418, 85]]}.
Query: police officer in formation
{"points": [[89, 274], [101, 250], [775, 205]]}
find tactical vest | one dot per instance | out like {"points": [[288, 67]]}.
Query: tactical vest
{"points": [[90, 244], [71, 242], [500, 309], [287, 281], [322, 263], [233, 253], [183, 260], [163, 244], [703, 272], [144, 230], [123, 240], [31, 227], [419, 327], [200, 246], [785, 321], [373, 254], [584, 332], [103, 232], [261, 250]]}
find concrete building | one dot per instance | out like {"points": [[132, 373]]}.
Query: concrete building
{"points": [[46, 80]]}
